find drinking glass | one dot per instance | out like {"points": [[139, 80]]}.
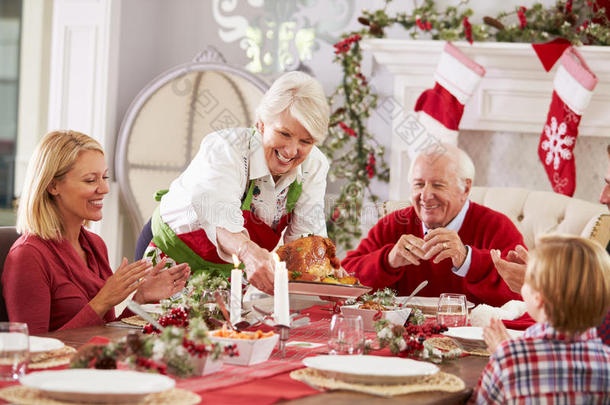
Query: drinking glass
{"points": [[346, 335], [209, 298], [452, 310], [14, 350]]}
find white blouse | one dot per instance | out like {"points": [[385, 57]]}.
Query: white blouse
{"points": [[208, 193]]}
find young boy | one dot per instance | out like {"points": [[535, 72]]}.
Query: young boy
{"points": [[560, 359]]}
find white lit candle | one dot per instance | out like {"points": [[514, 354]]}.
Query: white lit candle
{"points": [[235, 292], [281, 303]]}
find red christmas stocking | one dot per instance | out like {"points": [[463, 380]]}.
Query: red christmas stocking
{"points": [[440, 109], [573, 87]]}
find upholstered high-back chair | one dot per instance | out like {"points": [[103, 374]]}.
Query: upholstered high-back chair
{"points": [[8, 236], [537, 212], [166, 122]]}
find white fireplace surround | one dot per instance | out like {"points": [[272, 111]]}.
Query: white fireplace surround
{"points": [[514, 96]]}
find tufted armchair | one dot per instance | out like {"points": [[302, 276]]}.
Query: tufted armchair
{"points": [[537, 212]]}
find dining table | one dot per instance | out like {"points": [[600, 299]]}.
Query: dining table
{"points": [[270, 382]]}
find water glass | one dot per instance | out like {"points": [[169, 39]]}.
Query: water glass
{"points": [[452, 310], [346, 335], [14, 350], [209, 298]]}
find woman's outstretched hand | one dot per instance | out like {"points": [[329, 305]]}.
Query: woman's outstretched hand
{"points": [[161, 283], [259, 266], [123, 282]]}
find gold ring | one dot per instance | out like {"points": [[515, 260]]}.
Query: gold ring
{"points": [[444, 245], [407, 248]]}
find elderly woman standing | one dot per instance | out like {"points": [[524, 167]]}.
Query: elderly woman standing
{"points": [[246, 186], [56, 275]]}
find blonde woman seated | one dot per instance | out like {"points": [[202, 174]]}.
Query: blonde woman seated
{"points": [[560, 359], [56, 275]]}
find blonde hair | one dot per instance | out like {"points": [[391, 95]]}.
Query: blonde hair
{"points": [[303, 97], [573, 276], [53, 158]]}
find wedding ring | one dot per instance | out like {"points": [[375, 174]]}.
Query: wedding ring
{"points": [[407, 248], [174, 283], [444, 245]]}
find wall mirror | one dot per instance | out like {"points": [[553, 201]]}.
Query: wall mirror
{"points": [[166, 122]]}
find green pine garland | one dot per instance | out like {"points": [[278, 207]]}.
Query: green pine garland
{"points": [[356, 156]]}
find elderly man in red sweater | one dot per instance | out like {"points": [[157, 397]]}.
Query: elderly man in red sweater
{"points": [[443, 237]]}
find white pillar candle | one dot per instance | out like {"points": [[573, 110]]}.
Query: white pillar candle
{"points": [[235, 305], [281, 303]]}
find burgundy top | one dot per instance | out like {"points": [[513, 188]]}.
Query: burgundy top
{"points": [[47, 285], [483, 229]]}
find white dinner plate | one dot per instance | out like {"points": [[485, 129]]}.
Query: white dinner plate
{"points": [[92, 385], [41, 344], [470, 338], [370, 369], [152, 308], [475, 333], [326, 289]]}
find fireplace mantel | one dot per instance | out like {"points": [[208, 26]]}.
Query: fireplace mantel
{"points": [[514, 96]]}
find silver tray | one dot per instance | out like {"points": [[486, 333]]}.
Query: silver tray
{"points": [[299, 287]]}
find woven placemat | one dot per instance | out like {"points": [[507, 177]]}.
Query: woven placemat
{"points": [[52, 358], [19, 394], [135, 321], [446, 343], [438, 382]]}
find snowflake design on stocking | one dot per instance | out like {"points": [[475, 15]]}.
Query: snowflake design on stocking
{"points": [[556, 143]]}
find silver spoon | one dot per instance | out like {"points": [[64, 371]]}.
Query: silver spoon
{"points": [[417, 289], [138, 310]]}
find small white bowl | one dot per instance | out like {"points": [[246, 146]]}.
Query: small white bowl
{"points": [[396, 316], [250, 351]]}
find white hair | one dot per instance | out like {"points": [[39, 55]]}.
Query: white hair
{"points": [[303, 97], [463, 164]]}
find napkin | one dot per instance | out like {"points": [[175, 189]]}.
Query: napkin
{"points": [[521, 323], [482, 314]]}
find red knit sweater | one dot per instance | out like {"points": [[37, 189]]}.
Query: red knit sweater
{"points": [[483, 229], [48, 286]]}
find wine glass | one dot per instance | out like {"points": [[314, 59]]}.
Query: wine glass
{"points": [[14, 350], [452, 310], [346, 335]]}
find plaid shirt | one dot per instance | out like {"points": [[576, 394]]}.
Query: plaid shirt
{"points": [[547, 367], [603, 330]]}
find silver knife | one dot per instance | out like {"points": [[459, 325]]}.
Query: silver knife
{"points": [[138, 310]]}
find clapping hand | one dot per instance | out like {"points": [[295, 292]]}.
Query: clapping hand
{"points": [[438, 244], [117, 287], [161, 283], [494, 334], [513, 269], [441, 244], [408, 250]]}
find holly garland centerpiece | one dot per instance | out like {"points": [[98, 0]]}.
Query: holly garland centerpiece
{"points": [[387, 297], [173, 351], [410, 340], [357, 157], [193, 303]]}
